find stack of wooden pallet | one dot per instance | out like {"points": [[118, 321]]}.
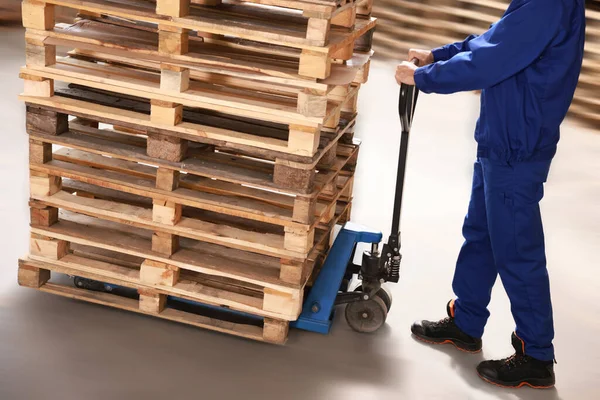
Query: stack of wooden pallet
{"points": [[192, 152], [405, 24]]}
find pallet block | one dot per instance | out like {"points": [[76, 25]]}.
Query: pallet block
{"points": [[32, 277]]}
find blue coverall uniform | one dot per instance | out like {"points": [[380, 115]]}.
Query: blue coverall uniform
{"points": [[527, 65]]}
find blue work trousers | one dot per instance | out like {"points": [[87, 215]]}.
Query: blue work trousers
{"points": [[504, 236]]}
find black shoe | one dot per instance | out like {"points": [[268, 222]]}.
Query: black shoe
{"points": [[518, 370], [445, 331]]}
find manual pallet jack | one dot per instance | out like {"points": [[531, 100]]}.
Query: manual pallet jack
{"points": [[368, 304]]}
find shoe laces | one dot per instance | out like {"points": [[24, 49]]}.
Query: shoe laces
{"points": [[442, 323], [515, 360]]}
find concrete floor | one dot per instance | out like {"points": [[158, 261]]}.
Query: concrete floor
{"points": [[55, 348]]}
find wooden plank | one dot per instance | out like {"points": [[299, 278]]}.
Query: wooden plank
{"points": [[325, 8]]}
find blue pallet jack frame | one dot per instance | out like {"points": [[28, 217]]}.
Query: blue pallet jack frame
{"points": [[318, 309], [368, 305]]}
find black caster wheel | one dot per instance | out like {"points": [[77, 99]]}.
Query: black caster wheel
{"points": [[366, 316], [384, 293]]}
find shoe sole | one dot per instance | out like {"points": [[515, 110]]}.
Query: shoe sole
{"points": [[445, 341], [520, 385]]}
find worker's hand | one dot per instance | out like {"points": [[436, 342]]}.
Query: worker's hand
{"points": [[405, 73], [425, 57]]}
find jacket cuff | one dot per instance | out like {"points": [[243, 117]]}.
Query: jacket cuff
{"points": [[421, 80], [440, 54]]}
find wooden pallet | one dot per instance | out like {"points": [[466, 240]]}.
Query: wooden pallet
{"points": [[303, 115], [171, 149], [139, 45], [35, 274], [191, 48], [321, 33]]}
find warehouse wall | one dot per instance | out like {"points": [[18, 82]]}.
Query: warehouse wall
{"points": [[404, 24]]}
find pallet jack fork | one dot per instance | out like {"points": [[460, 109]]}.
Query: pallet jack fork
{"points": [[368, 305]]}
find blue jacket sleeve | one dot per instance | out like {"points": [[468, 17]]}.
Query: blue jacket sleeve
{"points": [[450, 50], [508, 47]]}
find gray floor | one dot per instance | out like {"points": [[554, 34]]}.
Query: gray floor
{"points": [[54, 348]]}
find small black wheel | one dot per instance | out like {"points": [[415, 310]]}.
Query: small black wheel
{"points": [[366, 316], [384, 293]]}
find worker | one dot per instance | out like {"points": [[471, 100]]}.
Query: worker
{"points": [[527, 66]]}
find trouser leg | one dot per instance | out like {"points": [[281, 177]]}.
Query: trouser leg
{"points": [[475, 272], [512, 196]]}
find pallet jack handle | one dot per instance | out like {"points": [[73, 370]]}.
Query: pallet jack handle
{"points": [[406, 110]]}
